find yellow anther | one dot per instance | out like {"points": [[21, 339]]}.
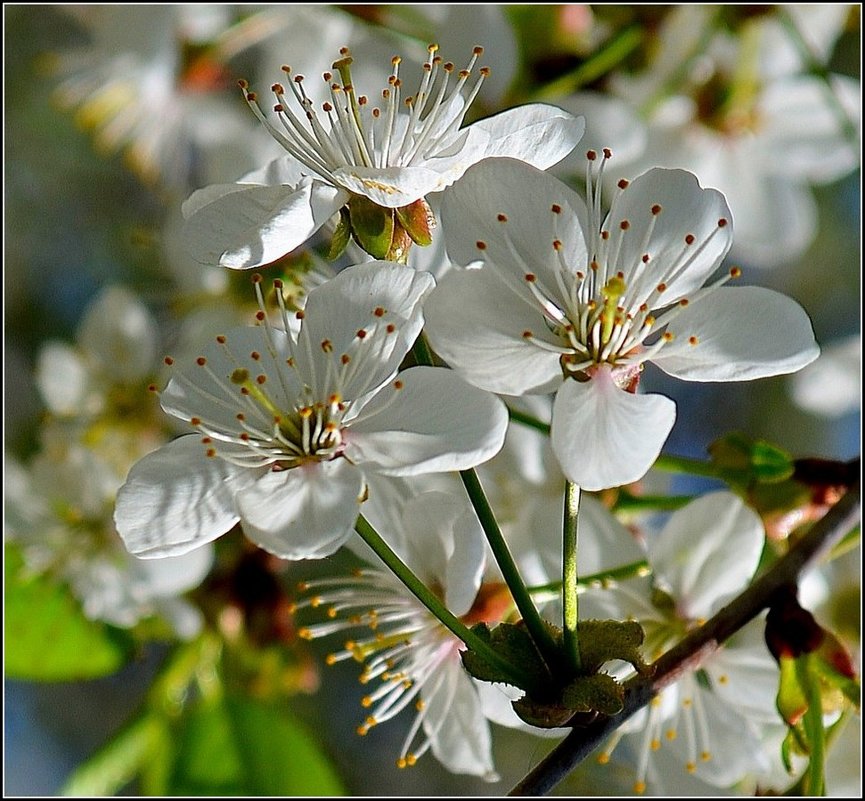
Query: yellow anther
{"points": [[304, 634], [330, 659], [705, 756], [671, 734], [656, 744], [603, 759], [639, 788], [691, 767], [366, 701], [411, 759]]}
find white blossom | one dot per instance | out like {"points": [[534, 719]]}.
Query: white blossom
{"points": [[568, 301]]}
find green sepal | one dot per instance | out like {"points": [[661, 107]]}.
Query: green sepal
{"points": [[599, 692], [372, 226], [514, 644], [542, 715], [341, 236], [418, 221], [604, 640]]}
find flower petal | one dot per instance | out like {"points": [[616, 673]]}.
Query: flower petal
{"points": [[475, 322], [177, 499], [303, 513], [434, 422], [741, 333], [250, 226], [390, 187], [605, 437], [506, 206], [686, 210], [380, 298], [453, 720], [537, 133], [707, 553], [206, 391]]}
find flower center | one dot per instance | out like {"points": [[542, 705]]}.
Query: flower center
{"points": [[613, 310], [355, 134]]}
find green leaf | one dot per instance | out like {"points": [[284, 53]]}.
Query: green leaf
{"points": [[237, 746], [48, 638], [118, 762], [372, 226]]}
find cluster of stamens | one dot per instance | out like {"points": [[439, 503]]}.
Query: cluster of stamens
{"points": [[283, 415], [403, 652], [605, 312], [374, 137]]}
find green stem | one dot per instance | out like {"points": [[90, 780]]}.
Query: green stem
{"points": [[594, 580], [820, 71], [613, 53], [570, 598], [684, 464], [372, 538], [626, 502], [537, 628], [528, 420], [814, 725]]}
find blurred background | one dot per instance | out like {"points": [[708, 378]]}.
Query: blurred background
{"points": [[115, 114]]}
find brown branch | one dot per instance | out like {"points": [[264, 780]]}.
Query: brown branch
{"points": [[696, 646]]}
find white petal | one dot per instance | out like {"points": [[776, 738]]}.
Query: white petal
{"points": [[436, 422], [339, 308], [832, 386], [745, 675], [120, 333], [686, 209], [63, 378], [605, 437], [476, 324], [538, 134], [390, 187], [172, 575], [465, 567], [453, 721], [801, 126], [742, 333], [472, 208], [610, 122], [207, 392], [303, 513], [177, 499], [255, 225], [707, 552], [733, 743], [604, 543]]}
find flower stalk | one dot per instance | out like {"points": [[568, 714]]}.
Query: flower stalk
{"points": [[570, 593]]}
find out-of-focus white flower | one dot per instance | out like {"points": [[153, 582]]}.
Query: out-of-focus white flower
{"points": [[59, 509], [569, 302], [414, 660], [151, 83], [114, 354], [832, 386], [291, 425], [709, 720], [744, 114], [355, 151]]}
